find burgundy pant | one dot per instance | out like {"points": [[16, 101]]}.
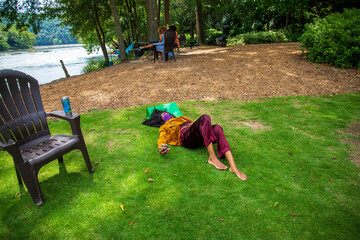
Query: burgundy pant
{"points": [[202, 133]]}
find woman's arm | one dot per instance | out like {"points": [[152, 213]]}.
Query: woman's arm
{"points": [[161, 42], [163, 147]]}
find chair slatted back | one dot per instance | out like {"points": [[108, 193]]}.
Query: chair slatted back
{"points": [[22, 116], [169, 36]]}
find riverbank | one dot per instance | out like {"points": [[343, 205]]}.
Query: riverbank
{"points": [[43, 62], [203, 73]]}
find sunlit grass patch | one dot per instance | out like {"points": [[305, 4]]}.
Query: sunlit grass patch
{"points": [[301, 182]]}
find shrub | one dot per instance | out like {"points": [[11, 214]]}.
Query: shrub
{"points": [[212, 35], [334, 39], [94, 64], [258, 37], [3, 44], [189, 40]]}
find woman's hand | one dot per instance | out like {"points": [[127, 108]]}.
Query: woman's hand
{"points": [[164, 149]]}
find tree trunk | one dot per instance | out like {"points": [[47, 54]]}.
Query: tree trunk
{"points": [[103, 48], [301, 15], [199, 24], [151, 10], [101, 35], [136, 22], [268, 20], [293, 18], [119, 34], [159, 13], [287, 18], [131, 20], [166, 12], [192, 31]]}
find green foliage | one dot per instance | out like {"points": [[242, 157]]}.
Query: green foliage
{"points": [[189, 198], [23, 14], [3, 41], [212, 34], [334, 39], [294, 34], [20, 40], [52, 33], [258, 37], [94, 64]]}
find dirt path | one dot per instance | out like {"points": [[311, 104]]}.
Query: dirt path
{"points": [[203, 73]]}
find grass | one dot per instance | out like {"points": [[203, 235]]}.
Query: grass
{"points": [[299, 162]]}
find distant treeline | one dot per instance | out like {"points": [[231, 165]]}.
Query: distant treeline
{"points": [[51, 33]]}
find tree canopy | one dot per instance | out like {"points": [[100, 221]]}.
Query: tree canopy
{"points": [[93, 21]]}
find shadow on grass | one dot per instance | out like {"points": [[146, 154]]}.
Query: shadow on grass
{"points": [[299, 163]]}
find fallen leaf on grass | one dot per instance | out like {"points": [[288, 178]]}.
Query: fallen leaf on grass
{"points": [[220, 219], [314, 180], [96, 163], [122, 208], [175, 175], [130, 223], [128, 140], [147, 170], [293, 214], [151, 180], [331, 180], [276, 204]]}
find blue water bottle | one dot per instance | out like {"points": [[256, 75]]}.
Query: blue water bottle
{"points": [[66, 105]]}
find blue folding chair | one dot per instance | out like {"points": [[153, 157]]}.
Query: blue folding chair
{"points": [[127, 50]]}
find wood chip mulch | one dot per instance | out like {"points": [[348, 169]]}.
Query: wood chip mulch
{"points": [[202, 73]]}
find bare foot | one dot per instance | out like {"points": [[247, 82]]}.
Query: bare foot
{"points": [[216, 163], [239, 174]]}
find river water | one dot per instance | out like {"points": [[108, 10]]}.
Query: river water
{"points": [[43, 63]]}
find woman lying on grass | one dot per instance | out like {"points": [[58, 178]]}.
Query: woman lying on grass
{"points": [[182, 131]]}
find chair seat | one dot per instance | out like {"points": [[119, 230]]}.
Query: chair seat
{"points": [[47, 147]]}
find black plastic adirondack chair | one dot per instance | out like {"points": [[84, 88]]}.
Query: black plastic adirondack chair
{"points": [[169, 37], [25, 134]]}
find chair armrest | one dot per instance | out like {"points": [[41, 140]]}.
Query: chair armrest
{"points": [[61, 114], [6, 146], [74, 120]]}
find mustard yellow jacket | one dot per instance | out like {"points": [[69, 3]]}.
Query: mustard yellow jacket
{"points": [[169, 132]]}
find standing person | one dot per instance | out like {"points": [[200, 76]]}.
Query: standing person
{"points": [[182, 131]]}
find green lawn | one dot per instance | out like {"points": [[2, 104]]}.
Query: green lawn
{"points": [[302, 184]]}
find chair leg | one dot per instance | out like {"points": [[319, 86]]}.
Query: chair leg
{"points": [[32, 184], [60, 159], [18, 176], [85, 154]]}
